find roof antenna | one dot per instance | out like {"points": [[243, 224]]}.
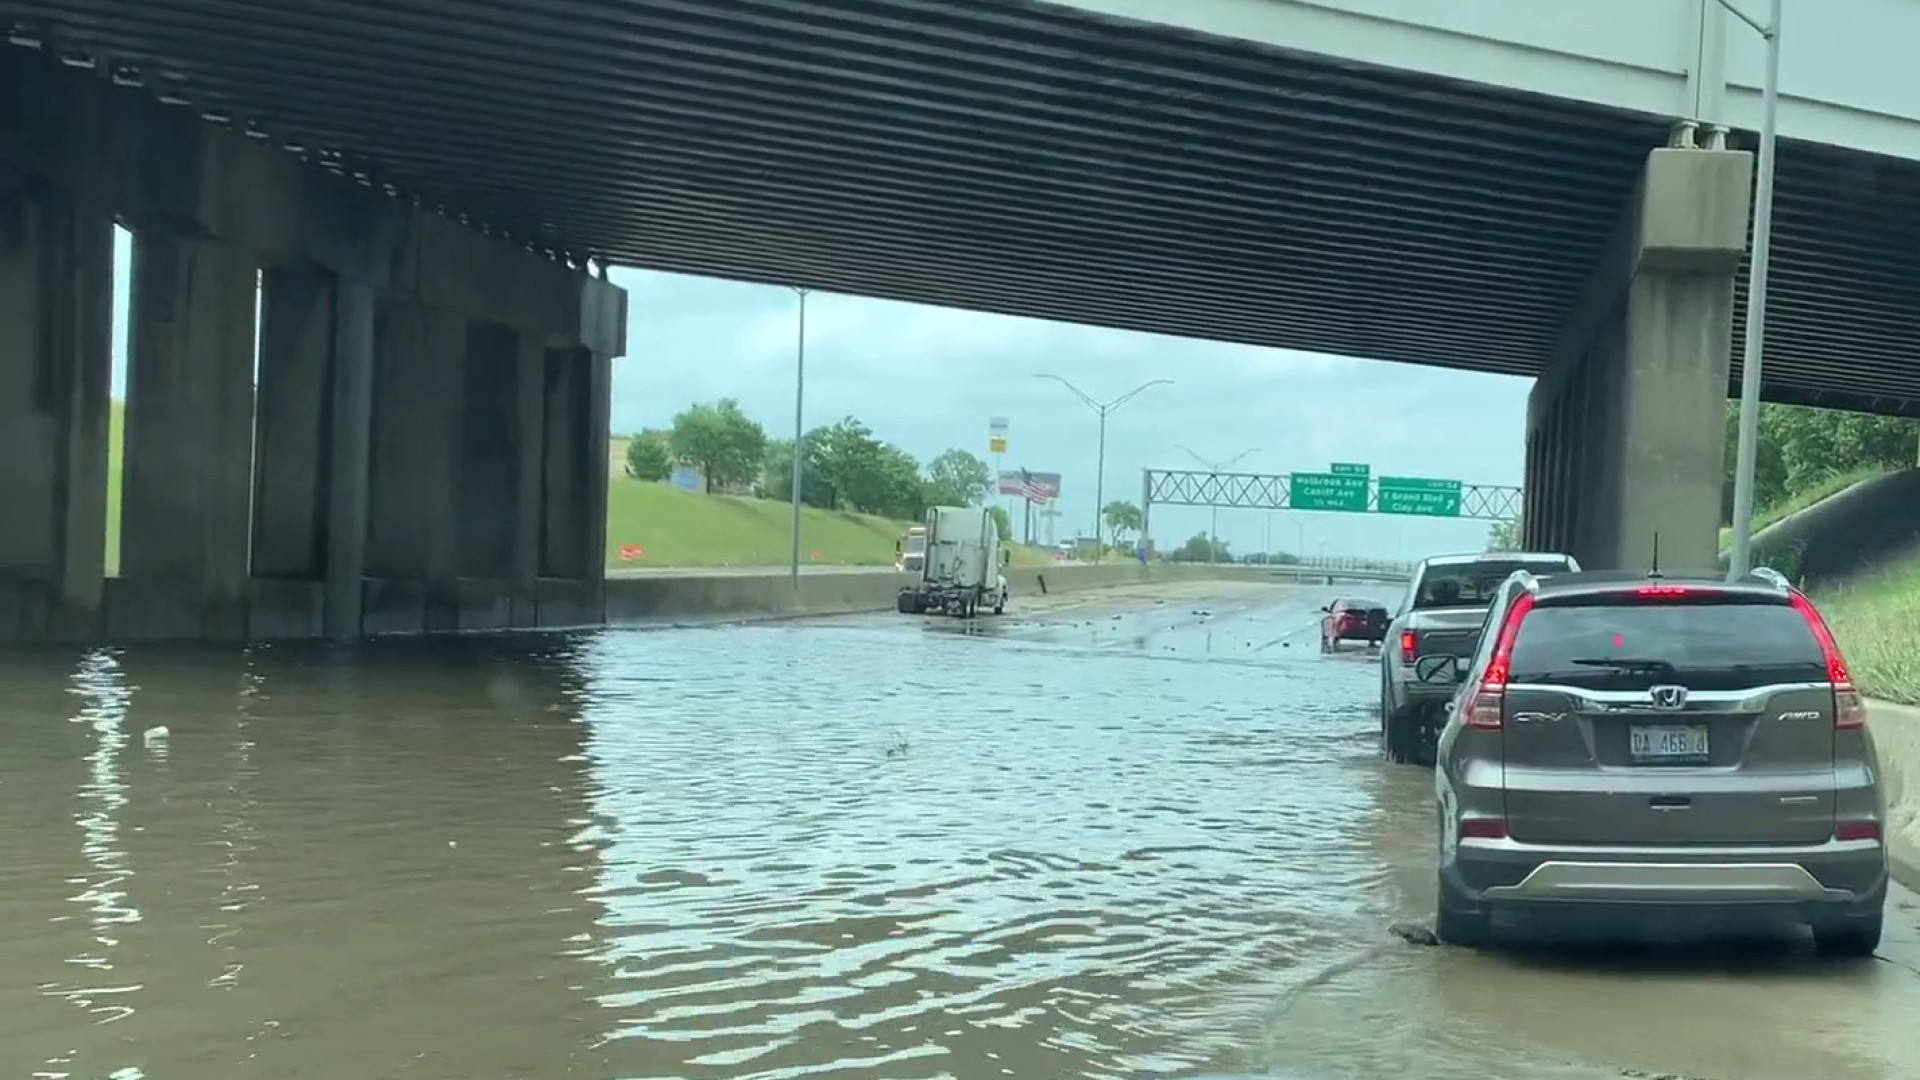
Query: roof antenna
{"points": [[1655, 572]]}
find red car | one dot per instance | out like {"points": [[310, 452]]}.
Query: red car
{"points": [[1352, 620]]}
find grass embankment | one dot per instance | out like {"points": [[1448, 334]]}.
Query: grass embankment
{"points": [[1832, 485], [116, 442], [682, 528], [1876, 618]]}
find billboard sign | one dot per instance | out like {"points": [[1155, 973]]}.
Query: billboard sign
{"points": [[1031, 486], [997, 435]]}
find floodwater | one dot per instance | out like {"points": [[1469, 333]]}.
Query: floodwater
{"points": [[1140, 835]]}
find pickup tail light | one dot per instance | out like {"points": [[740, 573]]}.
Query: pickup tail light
{"points": [[1849, 708], [1488, 703], [1408, 646]]}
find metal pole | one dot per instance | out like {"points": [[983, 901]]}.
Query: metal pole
{"points": [[1102, 409], [1213, 536], [799, 401], [1740, 559], [1100, 487], [1146, 511]]}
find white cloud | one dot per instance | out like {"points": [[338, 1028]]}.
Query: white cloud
{"points": [[929, 378]]}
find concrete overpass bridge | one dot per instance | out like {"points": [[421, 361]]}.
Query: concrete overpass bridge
{"points": [[436, 184]]}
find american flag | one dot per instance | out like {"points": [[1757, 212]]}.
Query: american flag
{"points": [[1029, 490]]}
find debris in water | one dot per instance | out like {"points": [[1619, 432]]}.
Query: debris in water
{"points": [[1414, 933], [154, 735]]}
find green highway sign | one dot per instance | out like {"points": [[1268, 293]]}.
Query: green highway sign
{"points": [[1419, 496], [1347, 468], [1328, 491]]}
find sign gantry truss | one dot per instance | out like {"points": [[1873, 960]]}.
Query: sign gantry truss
{"points": [[1271, 491]]}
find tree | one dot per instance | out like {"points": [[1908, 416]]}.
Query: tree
{"points": [[957, 478], [1201, 548], [776, 479], [718, 439], [1001, 521], [1122, 518], [862, 473], [1801, 448], [1504, 535], [649, 457]]}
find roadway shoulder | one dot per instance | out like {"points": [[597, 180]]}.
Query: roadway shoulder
{"points": [[1896, 735]]}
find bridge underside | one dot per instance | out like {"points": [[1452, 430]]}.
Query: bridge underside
{"points": [[414, 439], [999, 155], [1011, 156]]}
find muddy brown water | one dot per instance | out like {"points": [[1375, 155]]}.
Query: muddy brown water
{"points": [[1135, 835]]}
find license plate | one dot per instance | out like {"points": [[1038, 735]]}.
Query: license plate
{"points": [[1666, 742]]}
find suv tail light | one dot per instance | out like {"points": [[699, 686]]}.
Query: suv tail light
{"points": [[1488, 702], [1408, 651], [1849, 708]]}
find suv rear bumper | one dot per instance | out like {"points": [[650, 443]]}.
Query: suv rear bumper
{"points": [[1505, 872]]}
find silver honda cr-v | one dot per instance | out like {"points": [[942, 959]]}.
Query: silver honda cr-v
{"points": [[1634, 751]]}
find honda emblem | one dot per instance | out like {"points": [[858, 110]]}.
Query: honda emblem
{"points": [[1668, 697]]}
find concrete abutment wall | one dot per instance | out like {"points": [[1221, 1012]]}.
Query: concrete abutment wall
{"points": [[424, 449], [1625, 441]]}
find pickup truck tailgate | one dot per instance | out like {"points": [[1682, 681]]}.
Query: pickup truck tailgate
{"points": [[1453, 631]]}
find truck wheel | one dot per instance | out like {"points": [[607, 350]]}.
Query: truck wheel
{"points": [[1400, 734]]}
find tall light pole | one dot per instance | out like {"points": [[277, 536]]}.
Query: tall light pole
{"points": [[799, 401], [1216, 468], [1739, 560], [1100, 469]]}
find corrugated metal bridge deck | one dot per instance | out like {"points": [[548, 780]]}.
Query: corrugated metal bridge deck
{"points": [[1014, 157]]}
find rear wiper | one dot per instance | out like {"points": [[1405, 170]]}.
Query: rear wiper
{"points": [[1651, 667]]}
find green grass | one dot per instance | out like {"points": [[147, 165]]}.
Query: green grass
{"points": [[1832, 485], [116, 444], [681, 528], [1875, 619]]}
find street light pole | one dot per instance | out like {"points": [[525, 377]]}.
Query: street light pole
{"points": [[1100, 468], [1739, 560], [1213, 521], [799, 401]]}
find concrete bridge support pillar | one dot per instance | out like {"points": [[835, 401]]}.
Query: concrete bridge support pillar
{"points": [[413, 539], [573, 513], [1625, 425], [56, 354], [311, 457], [186, 521]]}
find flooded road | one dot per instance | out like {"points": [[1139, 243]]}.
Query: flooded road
{"points": [[1136, 834]]}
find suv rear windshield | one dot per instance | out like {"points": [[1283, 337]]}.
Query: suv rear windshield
{"points": [[1713, 646], [1474, 584]]}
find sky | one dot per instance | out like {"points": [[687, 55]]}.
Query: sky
{"points": [[928, 379]]}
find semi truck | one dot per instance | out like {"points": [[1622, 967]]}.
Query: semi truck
{"points": [[910, 553], [961, 572]]}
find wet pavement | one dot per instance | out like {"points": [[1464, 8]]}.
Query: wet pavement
{"points": [[1131, 834]]}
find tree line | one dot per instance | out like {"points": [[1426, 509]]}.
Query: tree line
{"points": [[844, 465], [1801, 453]]}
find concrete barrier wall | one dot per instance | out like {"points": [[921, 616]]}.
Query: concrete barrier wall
{"points": [[745, 596], [1896, 733]]}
